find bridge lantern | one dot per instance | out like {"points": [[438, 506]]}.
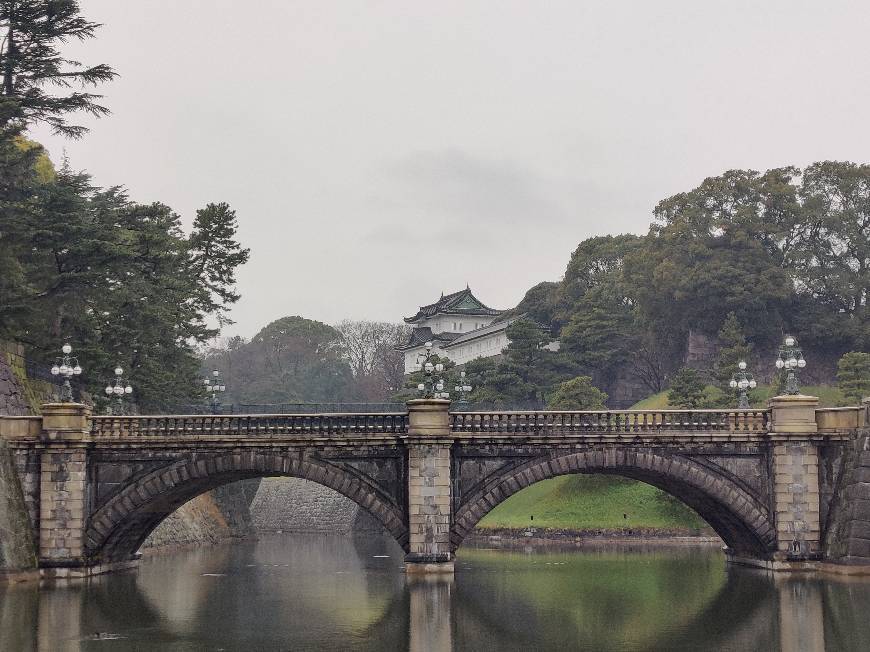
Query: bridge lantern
{"points": [[742, 380], [790, 357], [66, 366]]}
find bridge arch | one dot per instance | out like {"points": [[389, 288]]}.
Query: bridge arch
{"points": [[119, 527], [741, 520]]}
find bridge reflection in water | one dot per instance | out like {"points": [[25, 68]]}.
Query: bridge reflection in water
{"points": [[315, 592]]}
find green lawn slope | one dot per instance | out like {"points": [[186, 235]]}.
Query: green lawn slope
{"points": [[592, 502], [828, 397]]}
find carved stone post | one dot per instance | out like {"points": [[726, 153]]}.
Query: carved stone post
{"points": [[63, 486], [795, 476], [429, 487]]}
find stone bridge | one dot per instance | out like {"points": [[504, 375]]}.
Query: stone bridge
{"points": [[785, 487]]}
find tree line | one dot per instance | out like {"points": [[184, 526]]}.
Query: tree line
{"points": [[738, 261], [298, 360], [119, 280]]}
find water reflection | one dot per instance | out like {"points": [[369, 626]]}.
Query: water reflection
{"points": [[321, 593]]}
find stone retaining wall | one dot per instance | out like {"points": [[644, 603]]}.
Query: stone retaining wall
{"points": [[17, 550], [215, 516], [13, 398], [297, 505], [848, 538]]}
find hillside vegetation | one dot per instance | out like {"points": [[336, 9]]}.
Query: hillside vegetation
{"points": [[828, 397]]}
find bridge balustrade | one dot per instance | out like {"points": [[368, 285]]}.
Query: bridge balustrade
{"points": [[251, 425], [533, 422], [611, 421]]}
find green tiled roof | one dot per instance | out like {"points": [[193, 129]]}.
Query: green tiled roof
{"points": [[457, 303]]}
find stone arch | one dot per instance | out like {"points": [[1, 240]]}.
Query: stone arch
{"points": [[741, 520], [119, 527]]}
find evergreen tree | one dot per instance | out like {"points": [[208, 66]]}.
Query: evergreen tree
{"points": [[577, 394], [600, 335], [687, 390], [853, 376], [214, 256], [19, 180], [734, 349], [290, 360], [31, 63]]}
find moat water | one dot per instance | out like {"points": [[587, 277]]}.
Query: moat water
{"points": [[342, 593]]}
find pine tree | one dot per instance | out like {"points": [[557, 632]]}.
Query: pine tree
{"points": [[734, 349], [18, 183], [31, 63], [853, 376], [687, 390], [214, 256], [577, 394]]}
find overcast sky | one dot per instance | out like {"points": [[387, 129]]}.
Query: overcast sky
{"points": [[379, 153]]}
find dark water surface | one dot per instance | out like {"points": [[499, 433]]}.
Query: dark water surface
{"points": [[337, 593]]}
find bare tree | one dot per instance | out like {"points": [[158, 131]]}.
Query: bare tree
{"points": [[370, 349]]}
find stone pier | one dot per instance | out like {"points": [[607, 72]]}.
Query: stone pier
{"points": [[796, 477], [429, 491], [63, 485]]}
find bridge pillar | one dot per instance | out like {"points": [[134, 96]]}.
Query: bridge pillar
{"points": [[63, 487], [795, 477], [429, 487]]}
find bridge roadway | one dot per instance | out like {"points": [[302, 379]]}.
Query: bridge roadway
{"points": [[765, 480]]}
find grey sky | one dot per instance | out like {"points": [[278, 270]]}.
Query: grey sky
{"points": [[378, 153]]}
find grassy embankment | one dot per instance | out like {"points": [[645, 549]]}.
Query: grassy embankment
{"points": [[585, 502], [828, 397]]}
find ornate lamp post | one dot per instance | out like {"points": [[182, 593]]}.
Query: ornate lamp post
{"points": [[790, 357], [433, 384], [742, 380], [463, 388], [66, 366], [119, 390], [215, 388]]}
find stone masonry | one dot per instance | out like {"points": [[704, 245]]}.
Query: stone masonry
{"points": [[847, 541], [429, 486], [796, 482], [62, 505], [63, 485], [796, 477], [296, 505], [429, 503], [96, 487]]}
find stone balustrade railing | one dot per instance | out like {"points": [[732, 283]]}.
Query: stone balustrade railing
{"points": [[250, 425], [611, 421], [828, 421]]}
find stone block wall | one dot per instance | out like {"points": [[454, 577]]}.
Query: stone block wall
{"points": [[21, 395], [62, 504], [796, 488], [17, 550], [429, 502], [212, 517], [298, 505], [13, 399], [848, 537]]}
